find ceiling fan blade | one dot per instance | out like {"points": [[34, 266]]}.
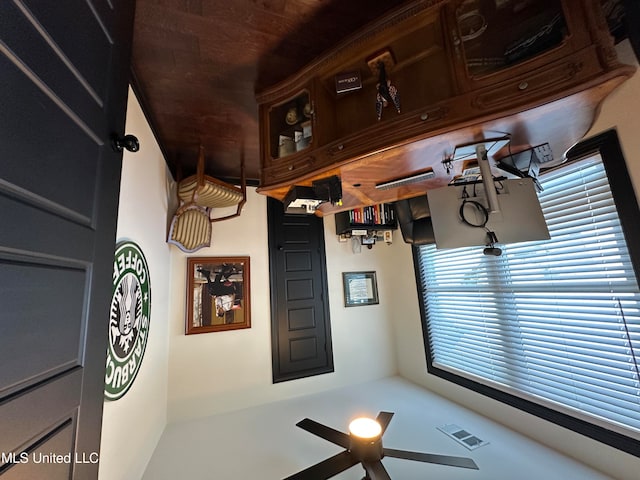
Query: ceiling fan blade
{"points": [[383, 419], [462, 462], [328, 433], [376, 471], [327, 468]]}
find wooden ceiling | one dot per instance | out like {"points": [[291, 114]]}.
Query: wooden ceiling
{"points": [[198, 63]]}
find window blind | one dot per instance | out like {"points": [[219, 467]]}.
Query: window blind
{"points": [[556, 322]]}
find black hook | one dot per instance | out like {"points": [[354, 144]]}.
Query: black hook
{"points": [[128, 142]]}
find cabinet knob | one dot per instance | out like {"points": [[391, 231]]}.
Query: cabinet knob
{"points": [[336, 149], [523, 85], [290, 167]]}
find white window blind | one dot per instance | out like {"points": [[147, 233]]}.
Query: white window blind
{"points": [[556, 322]]}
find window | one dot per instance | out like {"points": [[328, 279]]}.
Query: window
{"points": [[550, 327]]}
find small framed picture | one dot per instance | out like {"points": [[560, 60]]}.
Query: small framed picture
{"points": [[360, 288], [217, 294]]}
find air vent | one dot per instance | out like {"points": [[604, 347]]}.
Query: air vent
{"points": [[426, 175], [462, 436]]}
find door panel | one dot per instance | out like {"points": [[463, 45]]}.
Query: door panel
{"points": [[91, 26], [38, 123], [301, 332], [73, 235], [36, 464], [53, 404], [301, 318], [300, 289], [39, 53], [63, 88], [297, 261], [32, 301]]}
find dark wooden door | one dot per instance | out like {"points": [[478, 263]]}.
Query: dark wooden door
{"points": [[301, 328], [63, 87]]}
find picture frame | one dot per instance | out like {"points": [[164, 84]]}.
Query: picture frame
{"points": [[360, 288], [218, 294]]}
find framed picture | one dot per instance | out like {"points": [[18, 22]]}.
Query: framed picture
{"points": [[218, 296], [360, 288]]}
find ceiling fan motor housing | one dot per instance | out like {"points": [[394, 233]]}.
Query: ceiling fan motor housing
{"points": [[366, 449]]}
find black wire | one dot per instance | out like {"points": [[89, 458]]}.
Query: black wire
{"points": [[479, 207], [491, 236]]}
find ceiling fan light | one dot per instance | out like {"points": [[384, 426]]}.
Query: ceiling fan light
{"points": [[365, 442], [365, 428]]}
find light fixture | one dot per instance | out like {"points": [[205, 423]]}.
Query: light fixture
{"points": [[301, 199], [306, 200], [398, 182], [365, 439], [365, 428]]}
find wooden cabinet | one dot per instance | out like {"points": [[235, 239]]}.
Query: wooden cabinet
{"points": [[345, 125], [290, 126], [492, 37], [463, 69]]}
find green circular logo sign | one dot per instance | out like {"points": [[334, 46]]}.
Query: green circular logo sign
{"points": [[128, 319]]}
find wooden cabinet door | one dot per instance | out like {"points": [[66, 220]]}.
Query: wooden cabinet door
{"points": [[495, 40]]}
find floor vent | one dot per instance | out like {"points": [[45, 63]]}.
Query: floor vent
{"points": [[462, 436], [406, 180]]}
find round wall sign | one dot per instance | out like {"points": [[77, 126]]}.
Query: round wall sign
{"points": [[128, 319]]}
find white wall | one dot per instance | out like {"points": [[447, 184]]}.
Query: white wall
{"points": [[619, 110], [216, 372], [133, 424]]}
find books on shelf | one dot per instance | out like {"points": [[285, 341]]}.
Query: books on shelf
{"points": [[381, 214]]}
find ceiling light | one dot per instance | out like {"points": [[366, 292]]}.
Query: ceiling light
{"points": [[365, 428], [365, 439]]}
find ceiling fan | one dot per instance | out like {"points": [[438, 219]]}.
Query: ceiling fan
{"points": [[363, 445]]}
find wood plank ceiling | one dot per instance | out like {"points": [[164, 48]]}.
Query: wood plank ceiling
{"points": [[198, 63]]}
